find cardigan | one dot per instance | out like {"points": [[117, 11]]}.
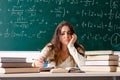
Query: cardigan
{"points": [[79, 59]]}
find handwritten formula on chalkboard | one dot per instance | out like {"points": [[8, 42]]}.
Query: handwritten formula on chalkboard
{"points": [[30, 24]]}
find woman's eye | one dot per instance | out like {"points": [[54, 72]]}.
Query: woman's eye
{"points": [[69, 33], [62, 33]]}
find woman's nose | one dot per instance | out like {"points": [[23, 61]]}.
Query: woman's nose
{"points": [[66, 34]]}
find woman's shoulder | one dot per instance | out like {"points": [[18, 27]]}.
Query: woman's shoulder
{"points": [[49, 45]]}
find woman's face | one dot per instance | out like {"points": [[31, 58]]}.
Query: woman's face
{"points": [[65, 35]]}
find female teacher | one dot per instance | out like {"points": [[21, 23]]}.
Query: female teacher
{"points": [[63, 51]]}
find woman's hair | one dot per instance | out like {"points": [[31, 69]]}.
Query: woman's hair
{"points": [[56, 44], [56, 41]]}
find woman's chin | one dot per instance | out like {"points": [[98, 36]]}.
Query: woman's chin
{"points": [[66, 43]]}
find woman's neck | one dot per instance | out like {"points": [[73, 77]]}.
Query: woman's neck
{"points": [[64, 53], [64, 49]]}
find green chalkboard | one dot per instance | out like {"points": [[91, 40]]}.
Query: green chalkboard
{"points": [[30, 24]]}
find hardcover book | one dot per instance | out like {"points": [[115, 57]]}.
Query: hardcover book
{"points": [[99, 68], [100, 52], [115, 63], [103, 57], [16, 65], [19, 70], [15, 59]]}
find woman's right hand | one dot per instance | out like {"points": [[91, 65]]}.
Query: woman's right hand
{"points": [[74, 38], [39, 62]]}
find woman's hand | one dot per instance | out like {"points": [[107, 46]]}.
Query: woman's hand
{"points": [[74, 38], [39, 63]]}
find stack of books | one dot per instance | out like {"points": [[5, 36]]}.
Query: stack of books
{"points": [[100, 61], [118, 53], [17, 65]]}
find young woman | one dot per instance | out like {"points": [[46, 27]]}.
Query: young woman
{"points": [[63, 50]]}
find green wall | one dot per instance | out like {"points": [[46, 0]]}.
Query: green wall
{"points": [[30, 24]]}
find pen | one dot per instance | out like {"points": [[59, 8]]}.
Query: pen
{"points": [[35, 59]]}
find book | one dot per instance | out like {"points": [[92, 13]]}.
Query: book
{"points": [[99, 68], [118, 69], [19, 70], [46, 69], [15, 59], [115, 63], [100, 52], [74, 70], [59, 70], [117, 53], [66, 70], [119, 63], [16, 65], [25, 54], [102, 57]]}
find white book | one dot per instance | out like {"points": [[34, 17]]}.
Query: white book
{"points": [[99, 52], [117, 53], [101, 63], [118, 69], [28, 54], [99, 68]]}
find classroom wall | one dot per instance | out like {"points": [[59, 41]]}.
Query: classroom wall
{"points": [[28, 25]]}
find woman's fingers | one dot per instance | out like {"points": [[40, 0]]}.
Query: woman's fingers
{"points": [[39, 63]]}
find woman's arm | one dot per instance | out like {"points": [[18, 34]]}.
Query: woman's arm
{"points": [[79, 59], [43, 55], [46, 51]]}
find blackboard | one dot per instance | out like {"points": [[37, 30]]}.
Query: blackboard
{"points": [[30, 24]]}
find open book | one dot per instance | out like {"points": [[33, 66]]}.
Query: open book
{"points": [[66, 70], [46, 69]]}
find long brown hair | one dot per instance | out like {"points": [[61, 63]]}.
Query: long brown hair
{"points": [[56, 44]]}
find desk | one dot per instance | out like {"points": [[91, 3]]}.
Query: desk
{"points": [[62, 76]]}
